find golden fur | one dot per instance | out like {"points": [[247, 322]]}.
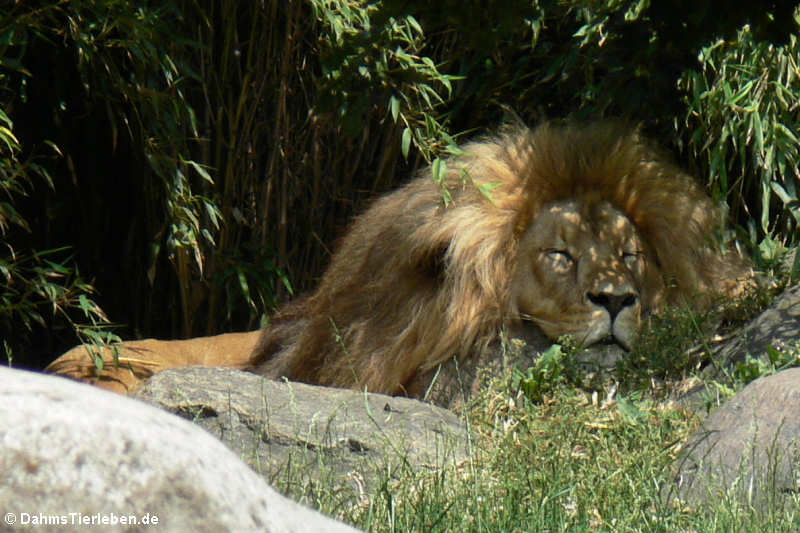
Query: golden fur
{"points": [[128, 365], [581, 229]]}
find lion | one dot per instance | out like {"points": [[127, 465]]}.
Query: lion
{"points": [[577, 229]]}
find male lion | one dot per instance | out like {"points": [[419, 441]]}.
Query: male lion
{"points": [[582, 230]]}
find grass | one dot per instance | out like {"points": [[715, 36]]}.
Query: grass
{"points": [[560, 457], [574, 462]]}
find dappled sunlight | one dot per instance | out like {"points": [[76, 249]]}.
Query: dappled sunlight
{"points": [[573, 278]]}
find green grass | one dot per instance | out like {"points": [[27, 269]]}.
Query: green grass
{"points": [[553, 452], [573, 462]]}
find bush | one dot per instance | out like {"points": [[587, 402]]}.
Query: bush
{"points": [[743, 121], [38, 285]]}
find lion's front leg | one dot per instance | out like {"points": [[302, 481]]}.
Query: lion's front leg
{"points": [[127, 365]]}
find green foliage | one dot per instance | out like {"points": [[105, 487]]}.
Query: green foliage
{"points": [[744, 125], [366, 50], [370, 58], [124, 61], [553, 369], [37, 285], [663, 349], [753, 368], [127, 58], [130, 56], [677, 342], [13, 178], [598, 18]]}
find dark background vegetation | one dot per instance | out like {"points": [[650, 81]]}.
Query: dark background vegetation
{"points": [[179, 168]]}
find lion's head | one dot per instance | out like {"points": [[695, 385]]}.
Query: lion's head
{"points": [[583, 270], [582, 230]]}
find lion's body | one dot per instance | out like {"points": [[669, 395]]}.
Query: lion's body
{"points": [[581, 230]]}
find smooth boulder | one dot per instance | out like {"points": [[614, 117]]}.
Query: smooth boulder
{"points": [[72, 455], [749, 448]]}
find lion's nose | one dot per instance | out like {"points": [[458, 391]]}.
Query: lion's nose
{"points": [[613, 303]]}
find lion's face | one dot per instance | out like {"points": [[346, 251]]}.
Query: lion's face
{"points": [[584, 271]]}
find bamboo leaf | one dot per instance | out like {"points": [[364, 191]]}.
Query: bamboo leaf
{"points": [[406, 142], [394, 107]]}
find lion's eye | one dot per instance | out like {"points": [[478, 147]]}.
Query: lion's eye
{"points": [[560, 260], [631, 259]]}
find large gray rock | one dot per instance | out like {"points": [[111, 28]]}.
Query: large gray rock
{"points": [[778, 326], [72, 455], [749, 447], [341, 438]]}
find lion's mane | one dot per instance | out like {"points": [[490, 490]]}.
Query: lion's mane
{"points": [[416, 280]]}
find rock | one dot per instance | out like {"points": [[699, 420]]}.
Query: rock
{"points": [[778, 326], [750, 446], [72, 454], [342, 438]]}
